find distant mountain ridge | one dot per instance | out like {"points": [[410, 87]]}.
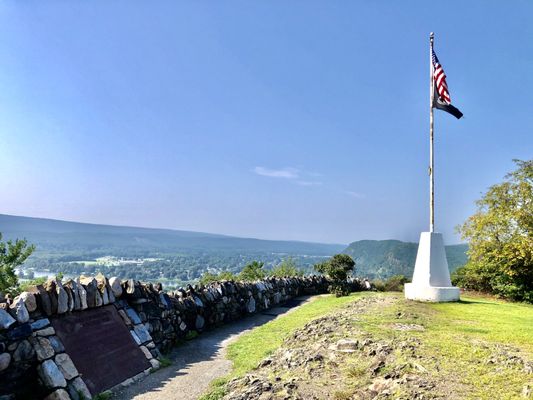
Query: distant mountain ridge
{"points": [[385, 258], [189, 254], [57, 235]]}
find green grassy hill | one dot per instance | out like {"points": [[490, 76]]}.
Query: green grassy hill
{"points": [[385, 258]]}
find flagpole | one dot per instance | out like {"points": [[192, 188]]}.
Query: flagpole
{"points": [[431, 161]]}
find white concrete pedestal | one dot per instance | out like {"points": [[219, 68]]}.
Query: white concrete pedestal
{"points": [[431, 278]]}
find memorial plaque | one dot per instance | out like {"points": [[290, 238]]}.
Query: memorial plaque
{"points": [[100, 346]]}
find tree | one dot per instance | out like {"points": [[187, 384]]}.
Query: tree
{"points": [[12, 255], [252, 271], [500, 236], [337, 269], [287, 267], [208, 277]]}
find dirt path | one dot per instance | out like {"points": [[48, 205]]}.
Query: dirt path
{"points": [[197, 362]]}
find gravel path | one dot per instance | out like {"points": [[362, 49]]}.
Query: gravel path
{"points": [[197, 362]]}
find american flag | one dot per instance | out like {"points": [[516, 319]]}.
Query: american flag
{"points": [[440, 79]]}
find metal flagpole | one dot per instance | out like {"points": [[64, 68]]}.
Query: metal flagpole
{"points": [[431, 162]]}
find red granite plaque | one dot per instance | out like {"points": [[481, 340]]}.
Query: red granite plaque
{"points": [[100, 346]]}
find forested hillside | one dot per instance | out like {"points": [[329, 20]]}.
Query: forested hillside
{"points": [[385, 258]]}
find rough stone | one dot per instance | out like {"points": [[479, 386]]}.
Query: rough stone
{"points": [[70, 298], [46, 331], [5, 359], [40, 324], [101, 284], [133, 316], [51, 289], [146, 352], [78, 390], [43, 348], [6, 320], [114, 282], [66, 366], [124, 317], [23, 352], [135, 337], [19, 311], [155, 363], [91, 290], [29, 301], [250, 306], [51, 375], [200, 322], [62, 298], [142, 333], [20, 332], [44, 300], [57, 345], [82, 293], [59, 394], [345, 346]]}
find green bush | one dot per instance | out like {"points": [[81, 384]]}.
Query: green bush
{"points": [[337, 269]]}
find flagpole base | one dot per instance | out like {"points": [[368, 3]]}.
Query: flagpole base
{"points": [[431, 293], [431, 277]]}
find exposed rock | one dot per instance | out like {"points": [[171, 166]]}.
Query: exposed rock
{"points": [[200, 322], [59, 394], [50, 286], [6, 320], [82, 293], [146, 352], [135, 337], [57, 345], [250, 306], [24, 351], [46, 331], [101, 283], [66, 366], [62, 298], [142, 333], [44, 300], [134, 317], [155, 363], [29, 301], [20, 332], [124, 317], [51, 375], [19, 311], [345, 346], [43, 348], [40, 323], [78, 390], [114, 282], [5, 359]]}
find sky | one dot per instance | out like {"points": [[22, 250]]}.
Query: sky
{"points": [[300, 120]]}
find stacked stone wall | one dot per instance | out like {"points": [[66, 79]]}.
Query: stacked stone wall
{"points": [[33, 361]]}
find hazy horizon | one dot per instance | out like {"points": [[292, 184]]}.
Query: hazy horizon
{"points": [[281, 121]]}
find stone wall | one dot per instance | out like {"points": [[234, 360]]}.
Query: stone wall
{"points": [[33, 361]]}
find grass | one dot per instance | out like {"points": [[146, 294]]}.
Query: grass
{"points": [[457, 344], [259, 343], [459, 340], [254, 346]]}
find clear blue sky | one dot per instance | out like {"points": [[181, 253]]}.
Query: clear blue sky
{"points": [[301, 120]]}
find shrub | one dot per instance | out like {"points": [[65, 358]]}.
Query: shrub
{"points": [[337, 269]]}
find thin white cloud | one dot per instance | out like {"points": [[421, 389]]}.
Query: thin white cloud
{"points": [[355, 194], [285, 173], [308, 183]]}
